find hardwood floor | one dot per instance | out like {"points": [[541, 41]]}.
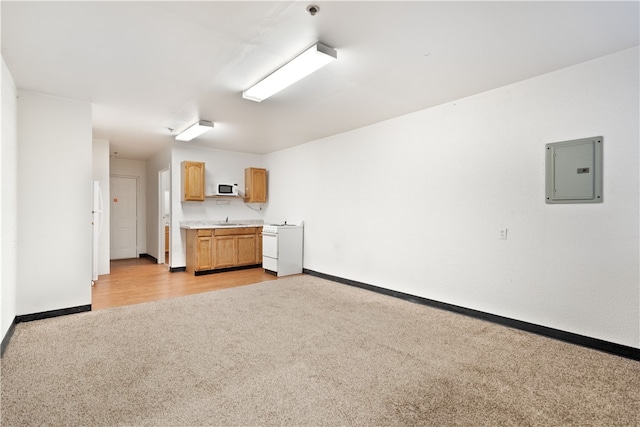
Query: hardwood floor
{"points": [[133, 281]]}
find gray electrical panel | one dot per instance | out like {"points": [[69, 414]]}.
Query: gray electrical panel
{"points": [[574, 171]]}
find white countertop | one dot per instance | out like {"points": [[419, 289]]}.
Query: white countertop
{"points": [[192, 225]]}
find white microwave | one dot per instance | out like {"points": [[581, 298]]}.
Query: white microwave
{"points": [[227, 189]]}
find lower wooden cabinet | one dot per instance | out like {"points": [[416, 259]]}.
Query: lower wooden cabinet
{"points": [[199, 250], [210, 249]]}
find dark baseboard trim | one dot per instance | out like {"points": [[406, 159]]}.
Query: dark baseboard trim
{"points": [[151, 257], [569, 337], [222, 270], [39, 316], [177, 269], [7, 337], [52, 313]]}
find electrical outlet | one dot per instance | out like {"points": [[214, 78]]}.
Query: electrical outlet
{"points": [[502, 235]]}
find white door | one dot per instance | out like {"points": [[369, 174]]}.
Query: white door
{"points": [[124, 209]]}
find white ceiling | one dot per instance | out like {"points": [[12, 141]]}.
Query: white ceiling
{"points": [[149, 66]]}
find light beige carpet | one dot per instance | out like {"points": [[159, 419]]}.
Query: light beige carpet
{"points": [[304, 351]]}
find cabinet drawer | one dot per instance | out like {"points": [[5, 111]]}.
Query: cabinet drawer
{"points": [[270, 264], [205, 232], [234, 231]]}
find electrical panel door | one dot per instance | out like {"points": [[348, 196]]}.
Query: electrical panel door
{"points": [[574, 171]]}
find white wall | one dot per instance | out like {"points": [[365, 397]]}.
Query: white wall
{"points": [[220, 166], [100, 169], [415, 204], [54, 203], [8, 200], [135, 169]]}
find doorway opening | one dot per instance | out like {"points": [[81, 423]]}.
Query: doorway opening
{"points": [[164, 232]]}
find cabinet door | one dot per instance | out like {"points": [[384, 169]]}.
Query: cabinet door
{"points": [[193, 181], [204, 253], [255, 185], [224, 251], [246, 249]]}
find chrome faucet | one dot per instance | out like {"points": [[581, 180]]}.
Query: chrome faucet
{"points": [[226, 220]]}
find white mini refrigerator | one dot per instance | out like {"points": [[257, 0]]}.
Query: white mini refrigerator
{"points": [[282, 248]]}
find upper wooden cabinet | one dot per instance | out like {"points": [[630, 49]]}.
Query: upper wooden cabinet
{"points": [[255, 185], [192, 181]]}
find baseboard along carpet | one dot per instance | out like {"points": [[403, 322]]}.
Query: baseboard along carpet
{"points": [[304, 351]]}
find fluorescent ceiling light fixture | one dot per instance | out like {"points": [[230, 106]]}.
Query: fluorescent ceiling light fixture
{"points": [[312, 59], [194, 131]]}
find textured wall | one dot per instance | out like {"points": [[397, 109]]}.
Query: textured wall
{"points": [[8, 200], [54, 203], [415, 204]]}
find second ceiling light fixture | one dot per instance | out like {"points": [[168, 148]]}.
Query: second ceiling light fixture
{"points": [[193, 131], [312, 59]]}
